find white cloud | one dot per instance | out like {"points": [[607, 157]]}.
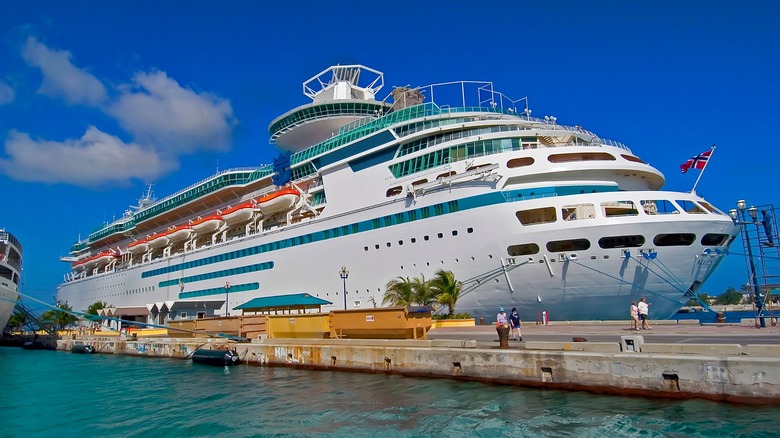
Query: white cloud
{"points": [[6, 93], [96, 158], [156, 109], [60, 77]]}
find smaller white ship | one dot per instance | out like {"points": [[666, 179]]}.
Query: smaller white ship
{"points": [[10, 271]]}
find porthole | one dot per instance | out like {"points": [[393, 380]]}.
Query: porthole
{"points": [[439, 235], [469, 230], [568, 245], [454, 232], [519, 162], [714, 239], [674, 239]]}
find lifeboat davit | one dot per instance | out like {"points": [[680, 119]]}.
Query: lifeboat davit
{"points": [[282, 200], [138, 247], [158, 241], [238, 214], [179, 233], [206, 224]]}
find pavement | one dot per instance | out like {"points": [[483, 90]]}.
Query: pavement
{"points": [[667, 332]]}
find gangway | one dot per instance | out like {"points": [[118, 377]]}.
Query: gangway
{"points": [[761, 241]]}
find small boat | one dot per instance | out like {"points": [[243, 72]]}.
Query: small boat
{"points": [[158, 241], [215, 357], [238, 214], [82, 349], [206, 224], [138, 247], [177, 234], [78, 266], [281, 200], [104, 258]]}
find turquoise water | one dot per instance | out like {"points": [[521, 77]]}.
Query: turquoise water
{"points": [[48, 393]]}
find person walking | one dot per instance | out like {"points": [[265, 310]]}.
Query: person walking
{"points": [[634, 313], [514, 324], [501, 317], [643, 307]]}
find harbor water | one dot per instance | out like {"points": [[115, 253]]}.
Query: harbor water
{"points": [[50, 393]]}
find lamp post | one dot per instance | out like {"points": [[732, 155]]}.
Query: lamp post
{"points": [[344, 275], [227, 298], [753, 213]]}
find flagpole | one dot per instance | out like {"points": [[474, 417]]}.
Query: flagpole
{"points": [[703, 168]]}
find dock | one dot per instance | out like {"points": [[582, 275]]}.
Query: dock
{"points": [[734, 363]]}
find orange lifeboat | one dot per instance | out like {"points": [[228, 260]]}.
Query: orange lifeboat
{"points": [[281, 200], [96, 261], [103, 258], [177, 234], [138, 247], [158, 240], [238, 214], [206, 224]]}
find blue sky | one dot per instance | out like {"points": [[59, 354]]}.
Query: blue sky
{"points": [[98, 98]]}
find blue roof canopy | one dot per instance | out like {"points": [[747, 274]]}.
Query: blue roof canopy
{"points": [[279, 302]]}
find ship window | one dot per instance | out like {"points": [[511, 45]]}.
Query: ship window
{"points": [[376, 246], [619, 208], [582, 156], [183, 314], [413, 240], [690, 207], [658, 206], [568, 245], [454, 232], [420, 181], [578, 211], [400, 242], [714, 239], [392, 191], [632, 158], [446, 175], [439, 235], [675, 239], [622, 241], [711, 209], [519, 162], [536, 216], [469, 230], [524, 249], [426, 238], [365, 248]]}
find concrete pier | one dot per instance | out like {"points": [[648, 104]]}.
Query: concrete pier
{"points": [[732, 363]]}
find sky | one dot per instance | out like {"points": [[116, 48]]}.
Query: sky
{"points": [[100, 98]]}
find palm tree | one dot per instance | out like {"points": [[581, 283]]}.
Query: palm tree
{"points": [[18, 319], [399, 292], [94, 308], [422, 292], [446, 289], [61, 316]]}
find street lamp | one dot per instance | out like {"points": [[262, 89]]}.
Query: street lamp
{"points": [[753, 213], [227, 298], [344, 275]]}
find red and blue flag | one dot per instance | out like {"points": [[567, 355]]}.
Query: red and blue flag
{"points": [[697, 162]]}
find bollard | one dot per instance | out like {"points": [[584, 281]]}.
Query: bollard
{"points": [[481, 320], [503, 335], [719, 317]]}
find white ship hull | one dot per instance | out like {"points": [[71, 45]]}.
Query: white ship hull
{"points": [[10, 270], [594, 283]]}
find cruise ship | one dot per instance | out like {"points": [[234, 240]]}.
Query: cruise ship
{"points": [[524, 211], [10, 272]]}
